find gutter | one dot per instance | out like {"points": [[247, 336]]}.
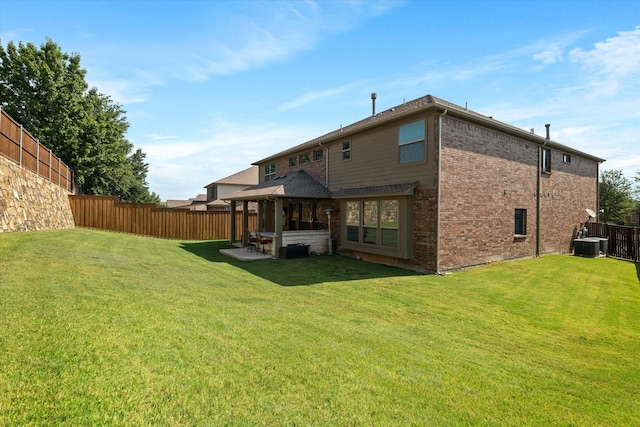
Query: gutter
{"points": [[438, 190]]}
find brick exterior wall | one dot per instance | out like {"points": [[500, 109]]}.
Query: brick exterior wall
{"points": [[424, 230], [486, 175], [316, 168], [565, 195]]}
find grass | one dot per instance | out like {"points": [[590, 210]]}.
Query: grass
{"points": [[101, 328]]}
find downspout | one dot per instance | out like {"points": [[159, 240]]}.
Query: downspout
{"points": [[538, 187], [598, 192], [438, 190]]}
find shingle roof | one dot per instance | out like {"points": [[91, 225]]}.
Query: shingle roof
{"points": [[248, 176], [298, 184], [419, 104]]}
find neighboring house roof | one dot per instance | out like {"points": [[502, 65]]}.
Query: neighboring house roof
{"points": [[200, 198], [297, 184], [424, 103], [248, 176]]}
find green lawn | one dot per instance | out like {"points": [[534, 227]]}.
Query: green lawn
{"points": [[102, 328]]}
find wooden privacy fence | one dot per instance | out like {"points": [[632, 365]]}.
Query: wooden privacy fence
{"points": [[107, 213], [624, 241], [20, 146]]}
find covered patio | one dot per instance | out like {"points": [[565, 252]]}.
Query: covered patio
{"points": [[293, 210]]}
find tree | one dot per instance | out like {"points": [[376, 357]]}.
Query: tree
{"points": [[45, 90], [616, 199]]}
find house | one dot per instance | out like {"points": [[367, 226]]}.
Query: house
{"points": [[212, 201], [220, 188], [426, 185], [197, 203]]}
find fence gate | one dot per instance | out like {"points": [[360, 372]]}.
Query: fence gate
{"points": [[624, 241]]}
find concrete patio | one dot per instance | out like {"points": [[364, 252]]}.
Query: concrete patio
{"points": [[243, 254]]}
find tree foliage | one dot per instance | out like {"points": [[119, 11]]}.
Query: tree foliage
{"points": [[616, 199], [45, 90]]}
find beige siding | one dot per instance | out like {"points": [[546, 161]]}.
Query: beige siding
{"points": [[374, 158]]}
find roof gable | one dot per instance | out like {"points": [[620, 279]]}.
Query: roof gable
{"points": [[248, 176], [298, 184]]}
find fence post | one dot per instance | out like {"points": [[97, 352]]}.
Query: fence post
{"points": [[20, 156], [37, 158], [50, 161]]}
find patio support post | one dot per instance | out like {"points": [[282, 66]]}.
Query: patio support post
{"points": [[245, 222], [232, 239], [260, 225], [278, 220]]}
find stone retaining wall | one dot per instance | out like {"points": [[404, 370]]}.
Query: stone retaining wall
{"points": [[29, 202]]}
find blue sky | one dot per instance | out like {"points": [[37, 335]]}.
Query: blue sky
{"points": [[210, 87]]}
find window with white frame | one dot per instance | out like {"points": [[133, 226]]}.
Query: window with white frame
{"points": [[346, 150], [269, 171], [411, 142]]}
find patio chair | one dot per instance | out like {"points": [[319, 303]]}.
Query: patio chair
{"points": [[252, 242], [262, 241]]}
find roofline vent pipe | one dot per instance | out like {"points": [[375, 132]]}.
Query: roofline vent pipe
{"points": [[548, 134], [373, 103]]}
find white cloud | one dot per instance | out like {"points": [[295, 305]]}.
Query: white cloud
{"points": [[227, 148], [549, 56], [614, 64], [158, 137], [318, 95]]}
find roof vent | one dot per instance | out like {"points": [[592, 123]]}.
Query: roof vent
{"points": [[374, 96]]}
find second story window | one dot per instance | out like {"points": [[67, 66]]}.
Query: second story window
{"points": [[269, 171], [545, 160], [293, 161], [305, 158], [411, 142], [346, 150], [318, 155]]}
